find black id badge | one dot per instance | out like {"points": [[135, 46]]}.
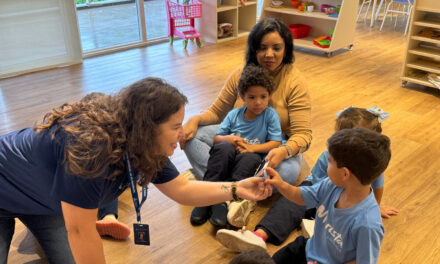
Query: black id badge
{"points": [[141, 234]]}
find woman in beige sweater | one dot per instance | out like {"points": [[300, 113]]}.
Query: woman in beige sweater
{"points": [[269, 45]]}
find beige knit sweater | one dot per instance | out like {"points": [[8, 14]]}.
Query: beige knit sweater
{"points": [[290, 99]]}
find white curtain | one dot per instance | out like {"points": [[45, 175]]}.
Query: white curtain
{"points": [[37, 34]]}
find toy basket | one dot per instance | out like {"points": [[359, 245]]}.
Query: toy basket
{"points": [[185, 11], [299, 30]]}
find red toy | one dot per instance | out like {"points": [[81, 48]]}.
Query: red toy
{"points": [[181, 20]]}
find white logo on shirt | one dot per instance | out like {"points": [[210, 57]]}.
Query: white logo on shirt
{"points": [[337, 237]]}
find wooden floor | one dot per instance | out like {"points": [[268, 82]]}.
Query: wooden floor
{"points": [[366, 76]]}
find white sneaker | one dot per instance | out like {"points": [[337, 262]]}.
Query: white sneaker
{"points": [[240, 240], [308, 227], [238, 212]]}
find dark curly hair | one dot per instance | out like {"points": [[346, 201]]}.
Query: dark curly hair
{"points": [[263, 27], [102, 128], [358, 117], [253, 75], [364, 152]]}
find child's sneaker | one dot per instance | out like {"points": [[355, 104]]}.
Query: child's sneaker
{"points": [[308, 227], [240, 240], [238, 213], [114, 229]]}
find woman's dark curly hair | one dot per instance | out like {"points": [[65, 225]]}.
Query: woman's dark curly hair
{"points": [[253, 75], [265, 26], [102, 128]]}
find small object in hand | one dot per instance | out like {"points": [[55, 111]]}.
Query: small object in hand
{"points": [[259, 172]]}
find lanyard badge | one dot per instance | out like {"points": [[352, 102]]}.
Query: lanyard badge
{"points": [[141, 231]]}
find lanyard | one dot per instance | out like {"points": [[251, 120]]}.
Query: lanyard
{"points": [[134, 193]]}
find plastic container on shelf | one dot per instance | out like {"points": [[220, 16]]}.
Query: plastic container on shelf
{"points": [[299, 30]]}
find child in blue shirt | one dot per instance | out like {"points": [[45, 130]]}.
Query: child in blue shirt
{"points": [[348, 225], [284, 216], [243, 138]]}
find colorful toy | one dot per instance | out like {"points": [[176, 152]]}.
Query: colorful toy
{"points": [[323, 41], [181, 21], [295, 3]]}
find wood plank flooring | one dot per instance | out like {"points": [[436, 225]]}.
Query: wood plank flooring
{"points": [[367, 76]]}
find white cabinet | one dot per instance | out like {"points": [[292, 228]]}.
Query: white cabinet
{"points": [[343, 26], [423, 49], [241, 18]]}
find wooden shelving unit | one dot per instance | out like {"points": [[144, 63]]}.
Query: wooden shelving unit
{"points": [[241, 18], [423, 52], [343, 26]]}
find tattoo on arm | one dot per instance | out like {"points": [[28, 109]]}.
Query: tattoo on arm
{"points": [[225, 188]]}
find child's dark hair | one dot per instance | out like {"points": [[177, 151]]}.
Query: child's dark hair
{"points": [[358, 117], [252, 257], [364, 152], [254, 76]]}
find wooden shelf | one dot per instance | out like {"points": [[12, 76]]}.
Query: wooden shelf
{"points": [[241, 18], [294, 11], [426, 52], [343, 26], [226, 8], [425, 39], [420, 58], [428, 9], [425, 65], [422, 80], [428, 23]]}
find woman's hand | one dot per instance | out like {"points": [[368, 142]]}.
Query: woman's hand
{"points": [[388, 211], [189, 130], [254, 188], [273, 177], [276, 156]]}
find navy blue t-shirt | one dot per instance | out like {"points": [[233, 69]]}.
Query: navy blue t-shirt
{"points": [[33, 179]]}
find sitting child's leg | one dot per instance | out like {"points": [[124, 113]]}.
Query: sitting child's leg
{"points": [[220, 163], [294, 252], [252, 257]]}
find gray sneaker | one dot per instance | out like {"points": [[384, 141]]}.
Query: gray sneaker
{"points": [[238, 212], [240, 241]]}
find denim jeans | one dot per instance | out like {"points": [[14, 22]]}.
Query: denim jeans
{"points": [[197, 152], [50, 232]]}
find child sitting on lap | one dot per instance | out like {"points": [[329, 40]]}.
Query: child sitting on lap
{"points": [[244, 136]]}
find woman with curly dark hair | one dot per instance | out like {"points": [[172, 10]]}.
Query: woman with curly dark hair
{"points": [[84, 155]]}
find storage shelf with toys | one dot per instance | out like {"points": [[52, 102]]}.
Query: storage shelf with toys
{"points": [[422, 58], [332, 22], [223, 20]]}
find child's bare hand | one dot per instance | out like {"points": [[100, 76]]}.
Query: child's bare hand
{"points": [[234, 140], [273, 177], [244, 147], [388, 211]]}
